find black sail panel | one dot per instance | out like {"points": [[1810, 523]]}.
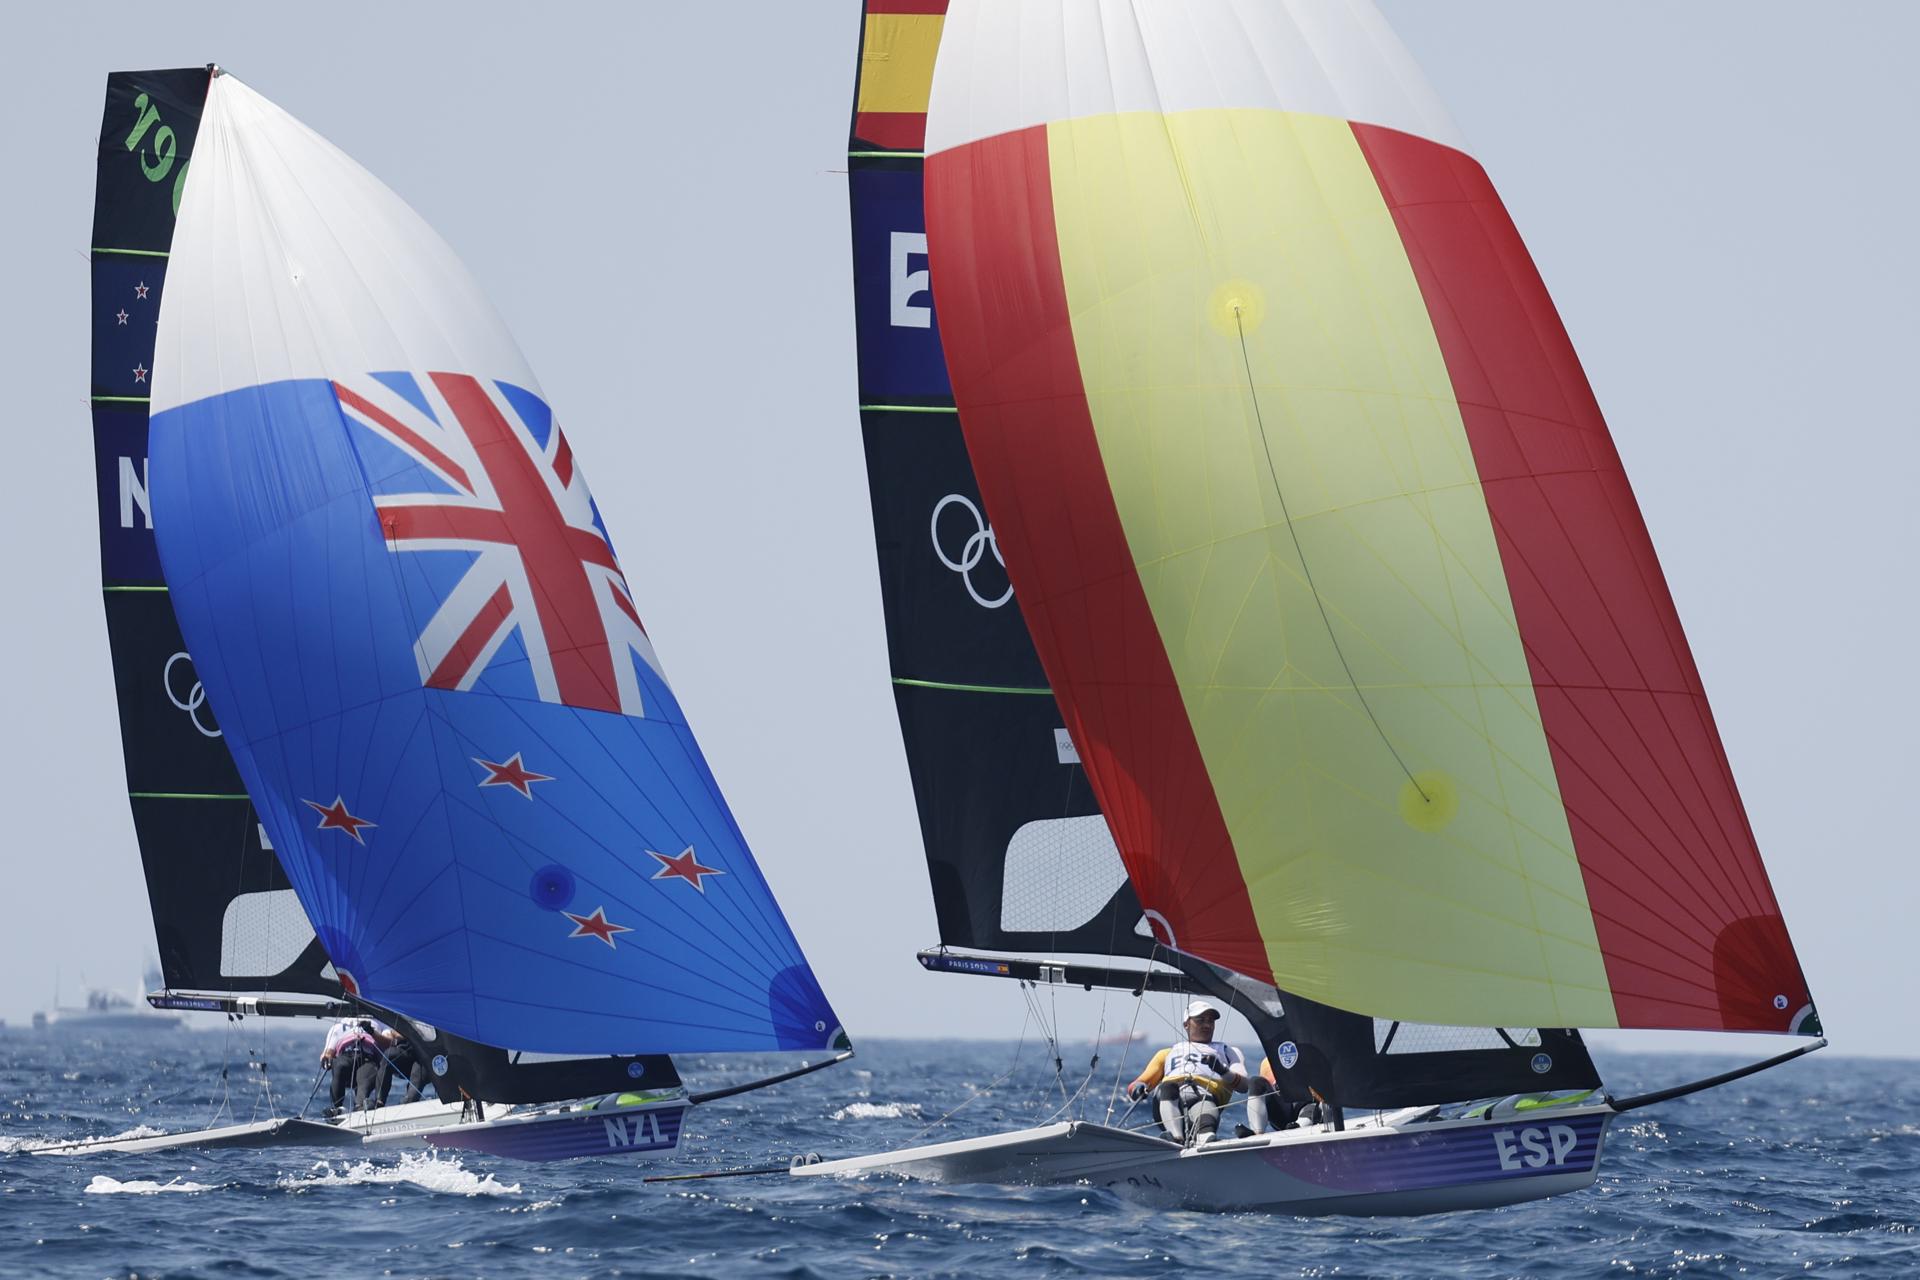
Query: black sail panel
{"points": [[1018, 855], [225, 918]]}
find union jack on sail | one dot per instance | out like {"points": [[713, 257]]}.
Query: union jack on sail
{"points": [[493, 476]]}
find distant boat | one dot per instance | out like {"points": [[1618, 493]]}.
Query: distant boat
{"points": [[105, 1011]]}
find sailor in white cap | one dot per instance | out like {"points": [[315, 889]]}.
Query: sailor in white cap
{"points": [[1192, 1079]]}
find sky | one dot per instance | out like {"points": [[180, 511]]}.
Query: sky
{"points": [[1719, 196]]}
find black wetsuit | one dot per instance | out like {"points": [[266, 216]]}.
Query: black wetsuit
{"points": [[357, 1066], [401, 1056]]}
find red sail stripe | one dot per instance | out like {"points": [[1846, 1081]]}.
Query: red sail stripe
{"points": [[415, 441], [892, 130], [907, 6], [458, 662], [1687, 922], [1002, 301]]}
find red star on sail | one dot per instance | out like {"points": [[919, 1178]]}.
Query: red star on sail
{"points": [[683, 866], [334, 817], [511, 774], [595, 926]]}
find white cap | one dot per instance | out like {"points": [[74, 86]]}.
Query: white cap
{"points": [[1197, 1007]]}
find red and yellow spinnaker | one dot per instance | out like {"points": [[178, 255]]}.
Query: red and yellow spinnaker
{"points": [[1319, 531]]}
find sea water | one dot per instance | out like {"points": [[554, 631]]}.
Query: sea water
{"points": [[1814, 1167]]}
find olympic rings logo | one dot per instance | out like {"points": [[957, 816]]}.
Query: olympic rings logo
{"points": [[196, 696], [972, 552]]}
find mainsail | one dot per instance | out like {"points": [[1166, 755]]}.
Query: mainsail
{"points": [[1019, 856], [225, 917], [425, 658], [1325, 546]]}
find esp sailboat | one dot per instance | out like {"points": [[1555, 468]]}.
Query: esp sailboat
{"points": [[1270, 615], [397, 742]]}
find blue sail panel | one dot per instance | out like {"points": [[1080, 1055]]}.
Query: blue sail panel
{"points": [[459, 737]]}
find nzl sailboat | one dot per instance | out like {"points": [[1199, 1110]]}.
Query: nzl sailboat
{"points": [[1270, 615], [397, 743]]}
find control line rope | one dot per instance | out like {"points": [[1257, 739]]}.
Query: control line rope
{"points": [[1259, 419]]}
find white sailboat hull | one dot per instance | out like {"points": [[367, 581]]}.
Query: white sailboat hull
{"points": [[1368, 1170]]}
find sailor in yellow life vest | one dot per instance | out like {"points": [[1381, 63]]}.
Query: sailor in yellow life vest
{"points": [[1192, 1079]]}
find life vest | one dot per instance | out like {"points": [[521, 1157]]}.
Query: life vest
{"points": [[347, 1034], [1212, 1066]]}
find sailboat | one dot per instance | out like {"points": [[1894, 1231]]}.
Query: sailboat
{"points": [[397, 742], [1270, 616]]}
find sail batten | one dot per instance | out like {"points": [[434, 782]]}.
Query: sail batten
{"points": [[1321, 537]]}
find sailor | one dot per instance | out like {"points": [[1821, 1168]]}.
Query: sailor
{"points": [[1190, 1080], [1267, 1110], [398, 1056], [352, 1051]]}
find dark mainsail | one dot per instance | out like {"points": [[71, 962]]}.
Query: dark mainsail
{"points": [[1018, 854], [225, 918]]}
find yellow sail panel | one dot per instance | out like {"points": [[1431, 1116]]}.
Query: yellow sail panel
{"points": [[1164, 229]]}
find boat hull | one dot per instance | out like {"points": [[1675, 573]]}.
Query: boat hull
{"points": [[1368, 1170], [262, 1133], [646, 1129]]}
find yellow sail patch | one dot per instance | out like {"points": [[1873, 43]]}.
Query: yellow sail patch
{"points": [[896, 63], [1323, 572]]}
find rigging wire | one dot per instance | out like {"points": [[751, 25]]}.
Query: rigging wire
{"points": [[1139, 999], [977, 1094], [1246, 363]]}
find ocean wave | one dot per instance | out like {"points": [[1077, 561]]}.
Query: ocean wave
{"points": [[444, 1175], [878, 1111], [102, 1185]]}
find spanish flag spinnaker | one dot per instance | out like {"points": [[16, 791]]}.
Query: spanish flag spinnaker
{"points": [[1323, 542]]}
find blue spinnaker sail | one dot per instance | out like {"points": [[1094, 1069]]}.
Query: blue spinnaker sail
{"points": [[425, 657]]}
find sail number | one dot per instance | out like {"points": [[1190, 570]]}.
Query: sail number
{"points": [[157, 148], [1532, 1148], [635, 1131]]}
